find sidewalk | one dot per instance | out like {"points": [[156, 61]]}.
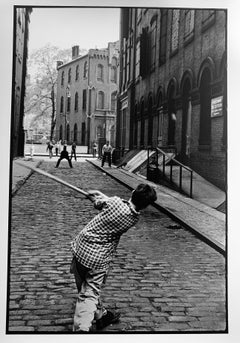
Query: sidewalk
{"points": [[204, 221]]}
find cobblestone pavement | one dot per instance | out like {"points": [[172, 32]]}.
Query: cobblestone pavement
{"points": [[163, 278]]}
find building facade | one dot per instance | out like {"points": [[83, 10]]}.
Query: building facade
{"points": [[87, 89], [172, 90], [20, 54]]}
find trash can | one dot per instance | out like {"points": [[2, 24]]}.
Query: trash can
{"points": [[153, 174]]}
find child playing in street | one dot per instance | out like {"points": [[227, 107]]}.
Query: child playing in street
{"points": [[93, 250]]}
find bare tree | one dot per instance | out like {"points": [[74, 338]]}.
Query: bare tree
{"points": [[41, 89]]}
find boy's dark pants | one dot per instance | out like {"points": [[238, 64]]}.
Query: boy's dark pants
{"points": [[88, 306], [108, 156], [68, 159]]}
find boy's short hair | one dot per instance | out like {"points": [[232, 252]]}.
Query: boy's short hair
{"points": [[143, 196]]}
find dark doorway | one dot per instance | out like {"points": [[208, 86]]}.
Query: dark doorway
{"points": [[171, 118], [186, 121]]}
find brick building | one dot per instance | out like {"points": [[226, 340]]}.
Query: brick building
{"points": [[87, 96], [20, 53], [172, 89]]}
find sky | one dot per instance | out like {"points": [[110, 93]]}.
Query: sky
{"points": [[65, 27]]}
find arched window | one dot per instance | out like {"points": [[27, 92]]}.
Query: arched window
{"points": [[77, 73], [69, 75], [85, 69], [61, 104], [113, 101], [75, 133], [205, 108], [61, 132], [62, 78], [100, 100], [114, 74], [100, 72], [68, 132], [76, 102], [68, 104], [114, 61]]}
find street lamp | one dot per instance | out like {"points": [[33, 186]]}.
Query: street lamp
{"points": [[68, 95]]}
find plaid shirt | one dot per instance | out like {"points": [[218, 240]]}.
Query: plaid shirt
{"points": [[95, 244]]}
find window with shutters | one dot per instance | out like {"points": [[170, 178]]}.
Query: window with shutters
{"points": [[189, 26], [175, 30], [77, 73], [163, 36], [69, 75], [153, 37], [85, 69], [62, 78], [76, 102], [100, 72], [208, 19]]}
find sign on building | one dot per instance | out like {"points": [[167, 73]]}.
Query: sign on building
{"points": [[217, 107]]}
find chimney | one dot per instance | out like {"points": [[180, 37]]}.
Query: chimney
{"points": [[75, 51], [59, 63]]}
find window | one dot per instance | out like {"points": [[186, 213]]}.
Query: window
{"points": [[84, 100], [163, 37], [61, 104], [114, 61], [76, 102], [75, 133], [69, 75], [137, 65], [100, 100], [153, 36], [113, 101], [175, 30], [114, 74], [62, 78], [83, 133], [100, 72], [68, 104], [144, 53], [85, 69], [77, 73], [189, 26]]}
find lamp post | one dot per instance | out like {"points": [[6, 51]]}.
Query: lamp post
{"points": [[68, 95]]}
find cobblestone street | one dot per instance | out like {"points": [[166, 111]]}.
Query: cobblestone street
{"points": [[163, 278]]}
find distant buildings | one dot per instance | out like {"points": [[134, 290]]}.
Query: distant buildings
{"points": [[172, 90], [87, 89], [20, 53]]}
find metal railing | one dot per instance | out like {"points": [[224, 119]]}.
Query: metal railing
{"points": [[172, 161]]}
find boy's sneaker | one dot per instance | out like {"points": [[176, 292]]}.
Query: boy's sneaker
{"points": [[107, 319]]}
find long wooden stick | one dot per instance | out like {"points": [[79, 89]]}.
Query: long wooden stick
{"points": [[55, 178]]}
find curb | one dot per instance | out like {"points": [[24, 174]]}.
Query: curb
{"points": [[205, 238], [23, 180]]}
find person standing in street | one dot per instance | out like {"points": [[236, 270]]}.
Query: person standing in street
{"points": [[95, 146], [93, 250], [107, 153], [73, 151], [64, 155], [50, 148]]}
